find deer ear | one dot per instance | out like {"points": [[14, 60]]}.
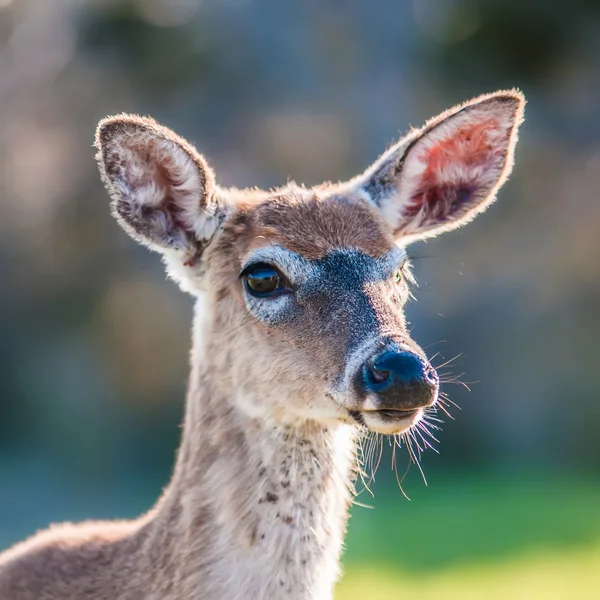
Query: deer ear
{"points": [[162, 190], [443, 175]]}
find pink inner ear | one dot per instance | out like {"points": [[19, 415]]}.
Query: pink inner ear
{"points": [[452, 168]]}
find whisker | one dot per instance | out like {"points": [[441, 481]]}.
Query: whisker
{"points": [[414, 438], [423, 427], [429, 416], [399, 480], [361, 504], [442, 407], [249, 316], [418, 431], [433, 344], [380, 444], [414, 458], [366, 449], [372, 449], [445, 398], [457, 382], [427, 420], [448, 362], [361, 470]]}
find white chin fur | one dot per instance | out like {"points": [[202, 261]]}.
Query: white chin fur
{"points": [[379, 424]]}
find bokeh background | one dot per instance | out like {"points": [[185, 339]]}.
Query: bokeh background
{"points": [[94, 341]]}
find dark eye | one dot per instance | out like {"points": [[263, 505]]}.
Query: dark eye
{"points": [[263, 280]]}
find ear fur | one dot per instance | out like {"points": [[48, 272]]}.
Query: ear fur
{"points": [[441, 176], [162, 190]]}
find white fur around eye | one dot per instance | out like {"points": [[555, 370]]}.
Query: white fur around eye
{"points": [[271, 310], [296, 269]]}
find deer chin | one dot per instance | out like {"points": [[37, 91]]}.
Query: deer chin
{"points": [[388, 422]]}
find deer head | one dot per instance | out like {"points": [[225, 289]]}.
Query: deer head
{"points": [[303, 289]]}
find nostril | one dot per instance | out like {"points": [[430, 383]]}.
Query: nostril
{"points": [[431, 376], [379, 375]]}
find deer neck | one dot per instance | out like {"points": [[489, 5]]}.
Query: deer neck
{"points": [[260, 506]]}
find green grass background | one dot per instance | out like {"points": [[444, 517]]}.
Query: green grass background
{"points": [[473, 536]]}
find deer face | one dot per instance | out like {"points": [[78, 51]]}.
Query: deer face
{"points": [[303, 290]]}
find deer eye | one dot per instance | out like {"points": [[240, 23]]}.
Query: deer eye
{"points": [[262, 280]]}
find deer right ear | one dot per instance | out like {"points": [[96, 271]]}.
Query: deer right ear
{"points": [[163, 191], [443, 175]]}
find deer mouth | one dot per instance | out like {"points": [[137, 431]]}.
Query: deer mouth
{"points": [[394, 414], [387, 415]]}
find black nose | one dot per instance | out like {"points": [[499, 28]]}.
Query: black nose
{"points": [[401, 380]]}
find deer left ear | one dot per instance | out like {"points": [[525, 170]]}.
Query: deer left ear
{"points": [[443, 175], [163, 191]]}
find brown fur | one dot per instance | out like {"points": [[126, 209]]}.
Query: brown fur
{"points": [[317, 223]]}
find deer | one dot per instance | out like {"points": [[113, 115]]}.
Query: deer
{"points": [[299, 346]]}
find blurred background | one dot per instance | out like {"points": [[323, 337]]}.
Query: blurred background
{"points": [[94, 341]]}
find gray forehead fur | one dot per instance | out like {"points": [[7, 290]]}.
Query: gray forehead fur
{"points": [[342, 271]]}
